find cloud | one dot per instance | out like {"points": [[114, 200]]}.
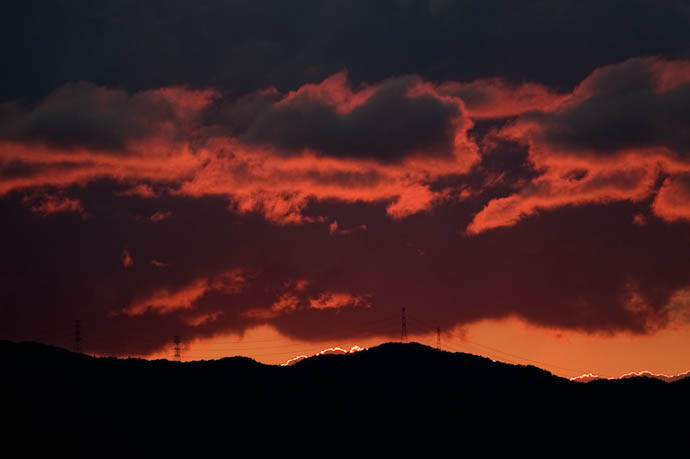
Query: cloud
{"points": [[295, 299], [83, 132], [195, 147], [181, 142], [672, 201], [159, 216], [566, 184], [126, 257], [157, 160], [14, 168], [54, 203], [328, 300], [637, 104], [334, 229], [104, 120], [364, 161], [163, 301], [141, 190], [611, 139], [498, 98], [209, 45], [386, 122], [585, 267]]}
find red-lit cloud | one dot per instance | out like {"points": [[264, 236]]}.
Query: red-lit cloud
{"points": [[496, 98], [53, 203], [609, 140], [385, 142], [328, 300], [673, 199], [159, 216], [294, 300], [164, 300], [126, 257], [568, 182], [266, 154]]}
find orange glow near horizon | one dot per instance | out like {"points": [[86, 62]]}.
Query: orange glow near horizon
{"points": [[564, 353]]}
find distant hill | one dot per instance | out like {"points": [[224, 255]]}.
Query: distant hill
{"points": [[640, 374], [396, 386]]}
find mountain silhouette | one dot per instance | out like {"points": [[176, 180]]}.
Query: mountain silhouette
{"points": [[392, 386]]}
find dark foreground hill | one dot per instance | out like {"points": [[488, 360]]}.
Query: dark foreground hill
{"points": [[396, 386]]}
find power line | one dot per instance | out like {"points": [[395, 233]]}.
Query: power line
{"points": [[379, 327], [499, 351]]}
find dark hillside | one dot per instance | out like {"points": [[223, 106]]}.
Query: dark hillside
{"points": [[393, 385]]}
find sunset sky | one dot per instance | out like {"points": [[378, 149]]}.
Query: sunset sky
{"points": [[273, 178]]}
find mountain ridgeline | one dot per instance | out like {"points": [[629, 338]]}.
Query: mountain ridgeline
{"points": [[393, 385]]}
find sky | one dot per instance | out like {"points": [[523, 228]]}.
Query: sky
{"points": [[272, 179]]}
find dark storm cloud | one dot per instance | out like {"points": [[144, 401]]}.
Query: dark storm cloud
{"points": [[387, 126], [393, 119], [560, 270], [624, 108], [246, 45], [85, 115]]}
